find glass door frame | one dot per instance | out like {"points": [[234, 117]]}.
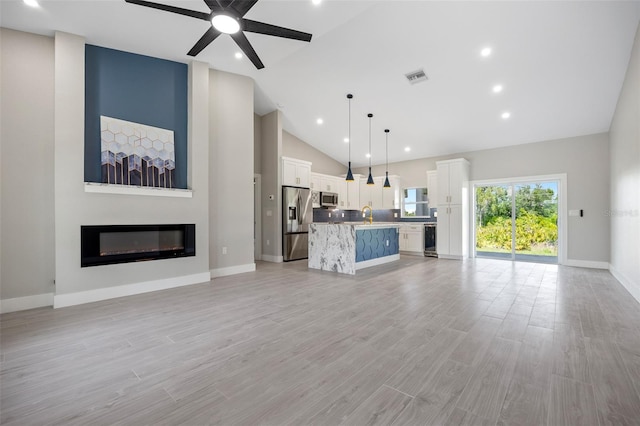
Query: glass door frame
{"points": [[562, 207]]}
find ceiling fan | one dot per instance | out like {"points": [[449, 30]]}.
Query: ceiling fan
{"points": [[227, 17]]}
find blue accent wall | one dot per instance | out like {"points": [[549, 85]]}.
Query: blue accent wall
{"points": [[371, 243], [135, 88]]}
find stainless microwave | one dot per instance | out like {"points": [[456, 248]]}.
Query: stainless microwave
{"points": [[328, 199]]}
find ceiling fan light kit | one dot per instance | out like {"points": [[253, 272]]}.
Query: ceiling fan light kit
{"points": [[227, 17], [225, 24]]}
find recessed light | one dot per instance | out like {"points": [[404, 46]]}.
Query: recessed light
{"points": [[497, 88], [32, 3], [238, 55], [505, 115], [346, 140], [407, 149], [485, 52], [319, 121], [368, 155], [316, 2]]}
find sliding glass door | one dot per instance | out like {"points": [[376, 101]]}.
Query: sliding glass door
{"points": [[517, 221]]}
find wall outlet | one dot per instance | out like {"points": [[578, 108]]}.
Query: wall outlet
{"points": [[268, 242], [387, 243], [224, 250], [342, 214], [364, 215], [395, 214], [269, 213], [329, 214]]}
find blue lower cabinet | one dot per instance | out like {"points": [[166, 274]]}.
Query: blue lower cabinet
{"points": [[376, 243]]}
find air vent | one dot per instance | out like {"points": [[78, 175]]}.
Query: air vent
{"points": [[416, 77]]}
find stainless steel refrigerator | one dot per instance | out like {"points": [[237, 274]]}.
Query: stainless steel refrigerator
{"points": [[297, 214]]}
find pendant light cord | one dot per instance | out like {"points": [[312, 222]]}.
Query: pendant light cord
{"points": [[386, 145], [349, 135], [370, 115], [349, 177], [370, 178]]}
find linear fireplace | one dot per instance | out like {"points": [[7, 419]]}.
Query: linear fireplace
{"points": [[109, 244]]}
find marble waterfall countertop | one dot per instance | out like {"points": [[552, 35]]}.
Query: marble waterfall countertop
{"points": [[346, 247]]}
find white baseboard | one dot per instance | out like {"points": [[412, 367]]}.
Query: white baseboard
{"points": [[586, 264], [70, 299], [377, 261], [449, 256], [274, 259], [232, 270], [633, 288], [26, 302]]}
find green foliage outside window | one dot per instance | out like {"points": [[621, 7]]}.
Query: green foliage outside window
{"points": [[536, 219]]}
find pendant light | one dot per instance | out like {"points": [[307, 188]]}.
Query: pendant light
{"points": [[386, 179], [370, 178], [349, 173]]}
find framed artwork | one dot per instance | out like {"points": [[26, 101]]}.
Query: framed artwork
{"points": [[136, 154]]}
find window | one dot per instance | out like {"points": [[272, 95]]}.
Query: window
{"points": [[415, 203]]}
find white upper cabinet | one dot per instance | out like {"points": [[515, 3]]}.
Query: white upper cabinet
{"points": [[353, 193], [296, 172], [349, 193], [390, 196], [328, 183], [315, 182], [453, 178], [379, 197]]}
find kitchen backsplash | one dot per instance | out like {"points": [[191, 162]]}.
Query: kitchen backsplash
{"points": [[382, 215]]}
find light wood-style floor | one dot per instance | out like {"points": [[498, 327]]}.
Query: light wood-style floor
{"points": [[418, 342]]}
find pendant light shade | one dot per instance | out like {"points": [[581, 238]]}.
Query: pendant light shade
{"points": [[349, 177], [386, 173], [370, 178]]}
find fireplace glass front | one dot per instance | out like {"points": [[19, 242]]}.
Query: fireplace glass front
{"points": [[103, 245]]}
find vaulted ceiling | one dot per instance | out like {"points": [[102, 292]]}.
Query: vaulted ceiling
{"points": [[560, 64]]}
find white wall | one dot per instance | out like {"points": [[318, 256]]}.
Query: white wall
{"points": [[625, 179], [585, 160], [257, 144], [74, 207], [271, 139], [26, 170], [321, 163], [231, 173], [42, 160]]}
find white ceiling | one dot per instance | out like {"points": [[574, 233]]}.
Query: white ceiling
{"points": [[561, 63]]}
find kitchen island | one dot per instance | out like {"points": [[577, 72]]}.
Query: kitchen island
{"points": [[348, 247]]}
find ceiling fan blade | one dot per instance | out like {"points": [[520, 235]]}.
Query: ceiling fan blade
{"points": [[243, 6], [242, 42], [274, 30], [214, 6], [180, 11], [204, 41]]}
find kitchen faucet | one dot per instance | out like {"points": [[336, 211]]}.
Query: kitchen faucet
{"points": [[370, 214]]}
